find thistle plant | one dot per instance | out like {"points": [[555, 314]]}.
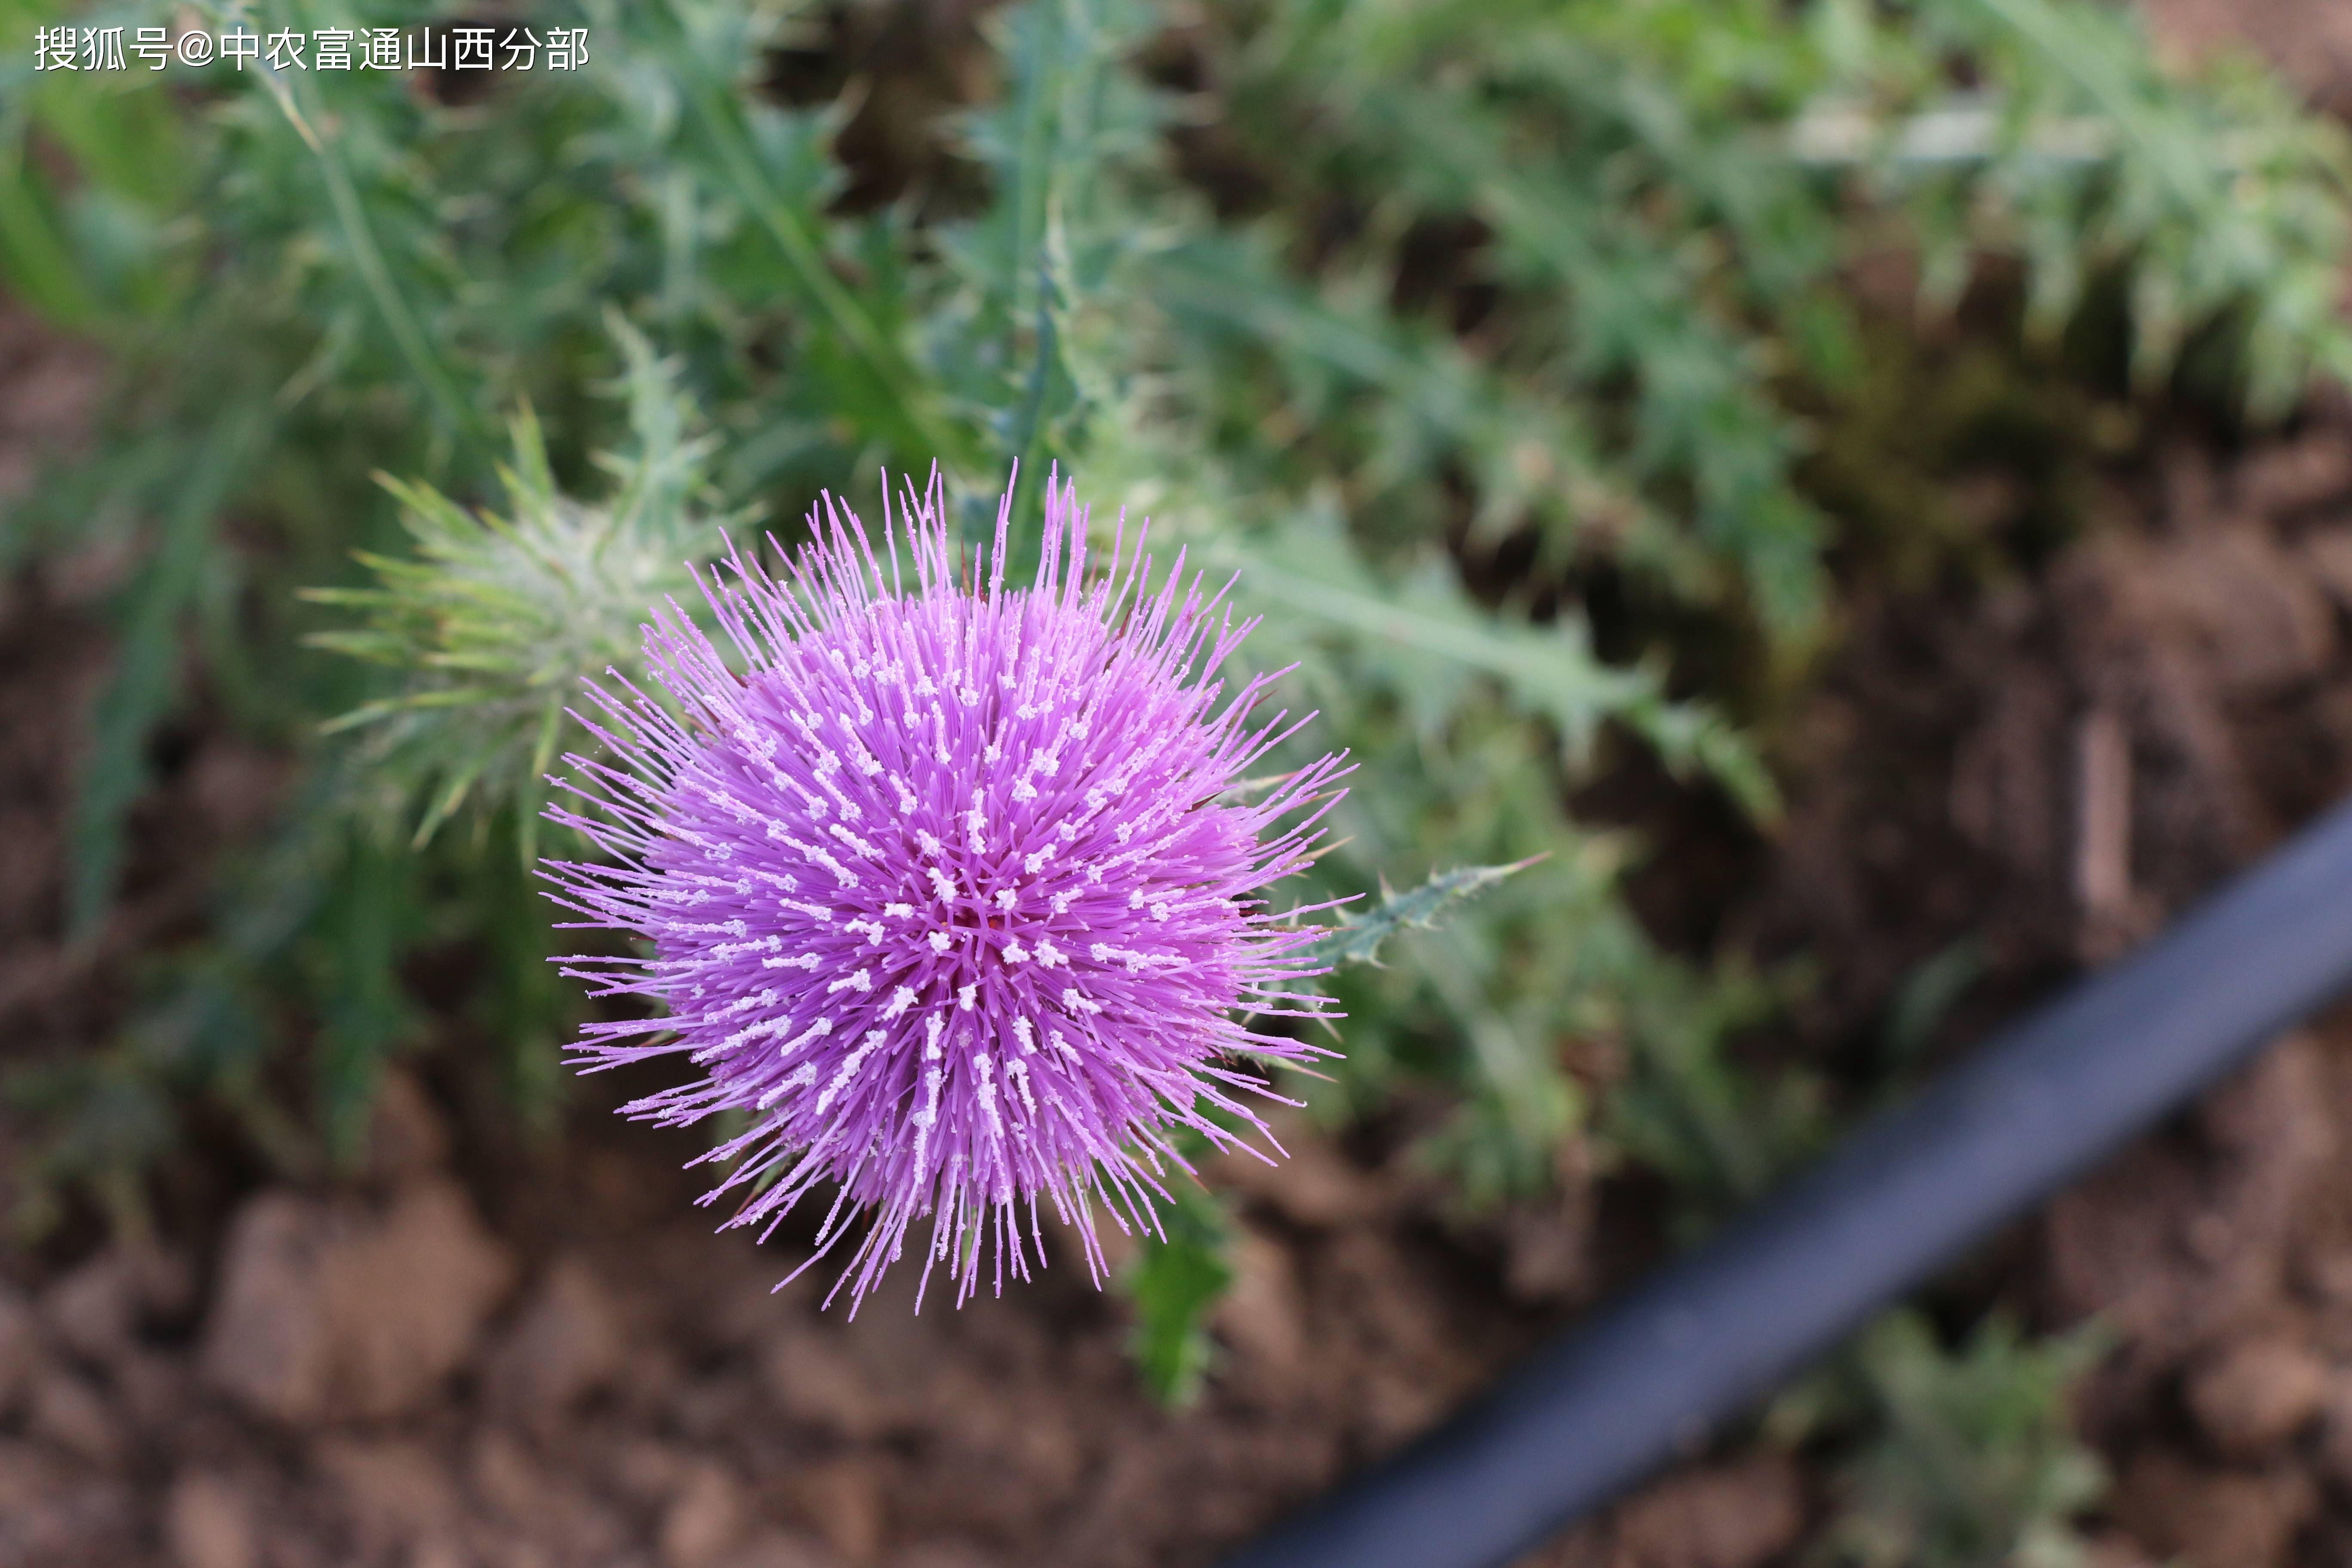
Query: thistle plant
{"points": [[1963, 1456], [947, 887], [496, 619]]}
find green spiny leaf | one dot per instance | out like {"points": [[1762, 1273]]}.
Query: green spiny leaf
{"points": [[1357, 939]]}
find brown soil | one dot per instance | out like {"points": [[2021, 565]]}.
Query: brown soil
{"points": [[2056, 768], [2310, 43], [556, 1363]]}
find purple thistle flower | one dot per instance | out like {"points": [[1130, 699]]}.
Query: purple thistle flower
{"points": [[943, 888]]}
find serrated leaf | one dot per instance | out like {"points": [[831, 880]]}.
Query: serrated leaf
{"points": [[1359, 940]]}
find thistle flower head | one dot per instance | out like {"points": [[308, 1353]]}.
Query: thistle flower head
{"points": [[946, 888]]}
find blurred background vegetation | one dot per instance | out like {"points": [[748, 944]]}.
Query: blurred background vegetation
{"points": [[1519, 354]]}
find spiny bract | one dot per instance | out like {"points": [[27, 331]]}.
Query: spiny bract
{"points": [[948, 889]]}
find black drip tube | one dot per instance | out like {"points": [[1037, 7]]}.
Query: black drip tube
{"points": [[1913, 1188]]}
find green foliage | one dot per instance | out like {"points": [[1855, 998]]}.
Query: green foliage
{"points": [[1966, 1459], [1172, 1283], [1719, 1129], [1425, 640], [2221, 207], [1524, 119], [145, 679]]}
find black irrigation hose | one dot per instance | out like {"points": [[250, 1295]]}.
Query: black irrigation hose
{"points": [[1913, 1188]]}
